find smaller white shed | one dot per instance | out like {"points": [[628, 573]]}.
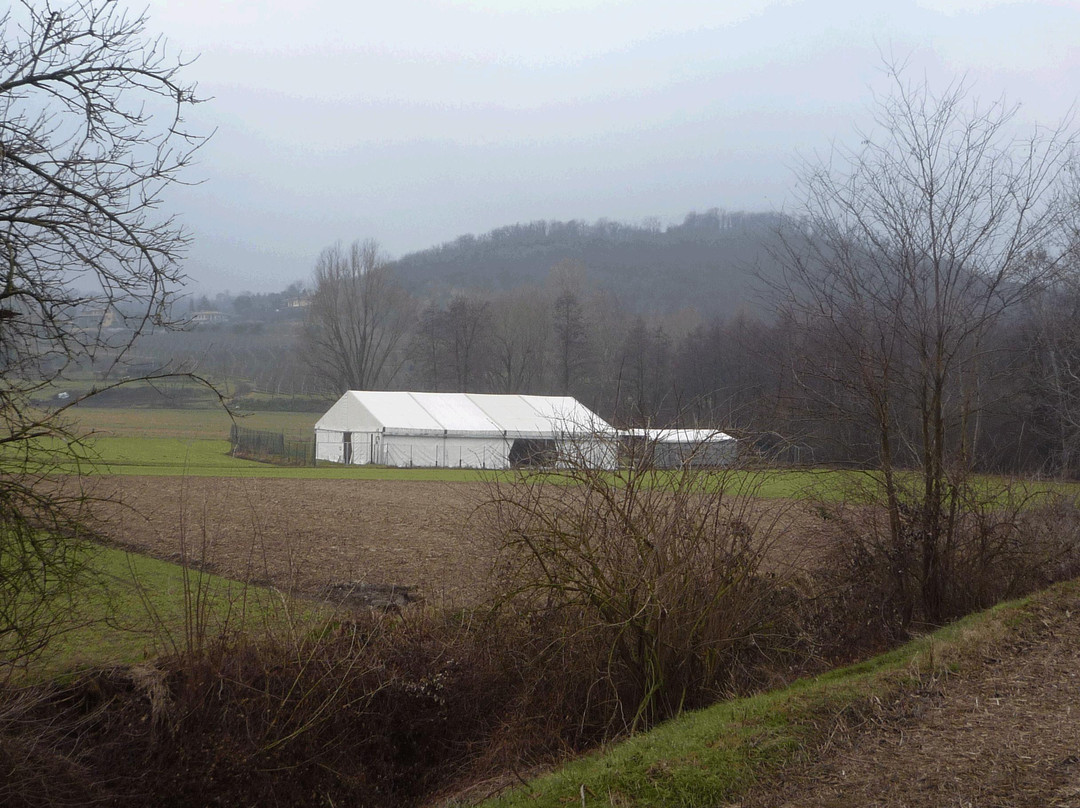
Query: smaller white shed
{"points": [[675, 448]]}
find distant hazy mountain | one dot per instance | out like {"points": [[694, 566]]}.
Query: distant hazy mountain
{"points": [[709, 261]]}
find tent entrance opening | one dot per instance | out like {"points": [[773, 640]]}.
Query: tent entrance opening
{"points": [[533, 452]]}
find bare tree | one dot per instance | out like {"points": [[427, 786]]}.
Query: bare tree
{"points": [[426, 349], [571, 339], [727, 374], [468, 322], [570, 344], [646, 370], [91, 136], [911, 249], [453, 342], [358, 318], [520, 326], [1051, 372]]}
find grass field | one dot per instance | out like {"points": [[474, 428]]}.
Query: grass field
{"points": [[188, 424], [174, 456], [135, 607], [134, 449], [145, 440], [193, 442]]}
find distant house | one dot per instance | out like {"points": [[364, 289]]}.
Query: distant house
{"points": [[462, 430], [676, 448], [208, 317], [91, 319]]}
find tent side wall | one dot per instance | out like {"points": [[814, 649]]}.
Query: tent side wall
{"points": [[329, 445], [451, 451], [340, 446], [408, 451], [588, 451], [674, 454]]}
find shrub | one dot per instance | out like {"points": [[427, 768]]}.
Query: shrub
{"points": [[376, 710], [655, 579], [880, 582]]}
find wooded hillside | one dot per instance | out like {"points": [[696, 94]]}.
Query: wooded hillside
{"points": [[708, 262]]}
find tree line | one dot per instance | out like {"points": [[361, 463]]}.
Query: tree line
{"points": [[781, 378], [811, 377]]}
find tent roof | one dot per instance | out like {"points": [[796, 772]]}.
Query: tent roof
{"points": [[684, 436], [473, 414]]}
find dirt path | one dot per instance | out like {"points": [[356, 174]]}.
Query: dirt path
{"points": [[1005, 732]]}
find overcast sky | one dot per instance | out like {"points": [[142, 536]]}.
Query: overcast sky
{"points": [[415, 121]]}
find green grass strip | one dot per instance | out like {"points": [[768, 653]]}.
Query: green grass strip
{"points": [[177, 457], [128, 453], [198, 424]]}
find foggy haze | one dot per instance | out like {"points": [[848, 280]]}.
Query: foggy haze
{"points": [[413, 123]]}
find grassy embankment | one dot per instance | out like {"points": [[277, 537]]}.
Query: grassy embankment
{"points": [[712, 756]]}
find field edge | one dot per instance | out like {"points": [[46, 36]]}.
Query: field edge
{"points": [[716, 755]]}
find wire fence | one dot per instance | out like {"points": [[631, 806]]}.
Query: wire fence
{"points": [[272, 447]]}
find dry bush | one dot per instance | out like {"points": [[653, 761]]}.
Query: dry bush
{"points": [[372, 709], [877, 584], [650, 582], [36, 766]]}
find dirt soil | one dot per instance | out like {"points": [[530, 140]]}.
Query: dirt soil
{"points": [[303, 535], [1005, 731], [307, 535]]}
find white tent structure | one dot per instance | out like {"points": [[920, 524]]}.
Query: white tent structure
{"points": [[673, 448], [462, 430]]}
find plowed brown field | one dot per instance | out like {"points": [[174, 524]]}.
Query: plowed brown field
{"points": [[304, 534]]}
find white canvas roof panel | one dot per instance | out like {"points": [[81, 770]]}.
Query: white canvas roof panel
{"points": [[513, 414], [568, 413], [480, 415], [539, 416], [456, 413], [686, 436], [398, 412]]}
